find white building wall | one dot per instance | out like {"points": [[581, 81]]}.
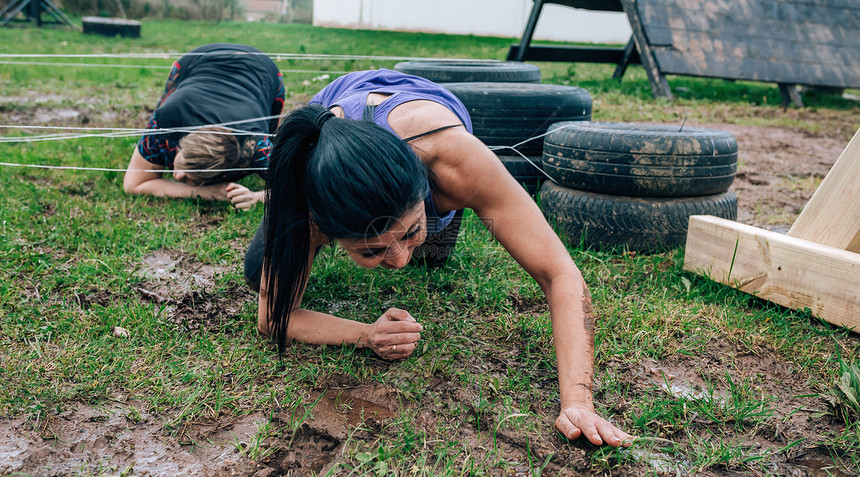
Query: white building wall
{"points": [[505, 18]]}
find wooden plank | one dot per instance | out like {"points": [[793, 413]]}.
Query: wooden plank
{"points": [[789, 271], [832, 216], [810, 33]]}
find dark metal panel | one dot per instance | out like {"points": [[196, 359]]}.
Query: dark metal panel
{"points": [[837, 26], [792, 51], [758, 70], [826, 36], [811, 42]]}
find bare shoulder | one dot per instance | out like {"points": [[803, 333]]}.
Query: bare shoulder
{"points": [[417, 117], [465, 171]]}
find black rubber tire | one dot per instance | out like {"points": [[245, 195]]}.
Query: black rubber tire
{"points": [[505, 114], [456, 71], [641, 224], [524, 171], [642, 160], [111, 27]]}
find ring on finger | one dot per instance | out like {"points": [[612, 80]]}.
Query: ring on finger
{"points": [[393, 347]]}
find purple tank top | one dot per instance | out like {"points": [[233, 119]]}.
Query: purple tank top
{"points": [[350, 93]]}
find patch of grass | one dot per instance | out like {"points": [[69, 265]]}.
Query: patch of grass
{"points": [[844, 396], [844, 446], [480, 394], [715, 452]]}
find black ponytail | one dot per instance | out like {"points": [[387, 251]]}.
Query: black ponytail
{"points": [[354, 178]]}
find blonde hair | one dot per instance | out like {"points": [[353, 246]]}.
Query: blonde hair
{"points": [[202, 151]]}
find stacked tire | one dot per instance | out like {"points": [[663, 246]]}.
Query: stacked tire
{"points": [[510, 109], [613, 184], [470, 71], [635, 185], [437, 248], [512, 118]]}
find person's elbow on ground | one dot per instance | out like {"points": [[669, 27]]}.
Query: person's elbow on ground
{"points": [[139, 174], [131, 186]]}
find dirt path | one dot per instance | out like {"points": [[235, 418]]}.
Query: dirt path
{"points": [[778, 171]]}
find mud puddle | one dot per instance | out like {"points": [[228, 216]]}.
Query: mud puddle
{"points": [[190, 290], [111, 439], [119, 438]]}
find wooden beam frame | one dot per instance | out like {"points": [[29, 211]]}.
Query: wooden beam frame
{"points": [[789, 271], [815, 266], [832, 215]]}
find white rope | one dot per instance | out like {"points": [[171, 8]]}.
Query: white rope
{"points": [[108, 169], [77, 128], [160, 67], [61, 137], [129, 132], [80, 128], [167, 56], [99, 65], [147, 132], [134, 130], [495, 148], [274, 56], [81, 168], [514, 148]]}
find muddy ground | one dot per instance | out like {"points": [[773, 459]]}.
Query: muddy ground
{"points": [[779, 169]]}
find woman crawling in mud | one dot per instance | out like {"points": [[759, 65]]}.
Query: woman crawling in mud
{"points": [[213, 84], [381, 163]]}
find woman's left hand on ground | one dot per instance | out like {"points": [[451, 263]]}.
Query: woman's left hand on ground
{"points": [[580, 420], [241, 197], [394, 335]]}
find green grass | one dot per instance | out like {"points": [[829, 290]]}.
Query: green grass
{"points": [[479, 395]]}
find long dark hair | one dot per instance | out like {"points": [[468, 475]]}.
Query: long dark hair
{"points": [[352, 178]]}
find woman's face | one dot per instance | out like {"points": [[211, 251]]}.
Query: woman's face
{"points": [[179, 166], [394, 248]]}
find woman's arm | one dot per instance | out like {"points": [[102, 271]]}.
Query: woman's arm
{"points": [[470, 175], [394, 335], [144, 177]]}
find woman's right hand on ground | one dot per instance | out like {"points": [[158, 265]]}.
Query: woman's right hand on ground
{"points": [[241, 197], [395, 334], [578, 419]]}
